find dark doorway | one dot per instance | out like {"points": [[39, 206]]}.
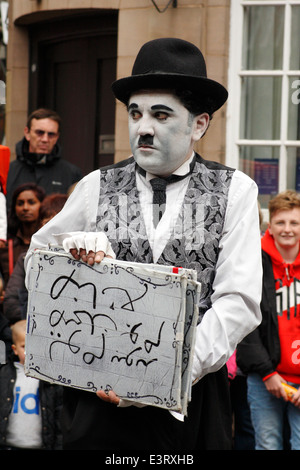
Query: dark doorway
{"points": [[73, 64]]}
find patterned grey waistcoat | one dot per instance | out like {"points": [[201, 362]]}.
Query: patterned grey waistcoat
{"points": [[196, 237]]}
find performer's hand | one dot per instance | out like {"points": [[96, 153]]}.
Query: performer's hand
{"points": [[109, 397], [90, 258], [90, 247]]}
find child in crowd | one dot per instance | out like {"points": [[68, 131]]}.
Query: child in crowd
{"points": [[270, 355], [29, 408]]}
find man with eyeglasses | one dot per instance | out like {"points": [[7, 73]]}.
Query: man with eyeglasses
{"points": [[39, 157]]}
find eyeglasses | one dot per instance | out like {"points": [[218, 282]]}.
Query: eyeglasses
{"points": [[40, 133]]}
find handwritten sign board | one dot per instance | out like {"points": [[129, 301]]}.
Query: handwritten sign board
{"points": [[123, 326]]}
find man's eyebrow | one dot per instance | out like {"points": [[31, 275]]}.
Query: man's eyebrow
{"points": [[162, 106], [154, 107], [132, 106]]}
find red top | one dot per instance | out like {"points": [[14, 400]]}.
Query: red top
{"points": [[287, 285]]}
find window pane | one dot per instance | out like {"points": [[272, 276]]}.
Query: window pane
{"points": [[263, 37], [293, 168], [260, 108], [261, 163], [294, 109], [295, 39]]}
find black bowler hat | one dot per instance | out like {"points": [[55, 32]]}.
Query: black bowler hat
{"points": [[170, 63]]}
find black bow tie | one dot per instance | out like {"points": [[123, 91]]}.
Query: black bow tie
{"points": [[159, 185]]}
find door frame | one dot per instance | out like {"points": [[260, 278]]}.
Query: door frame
{"points": [[99, 24]]}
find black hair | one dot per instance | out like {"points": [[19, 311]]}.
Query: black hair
{"points": [[13, 223], [194, 105]]}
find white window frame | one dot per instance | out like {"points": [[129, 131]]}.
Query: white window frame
{"points": [[235, 74]]}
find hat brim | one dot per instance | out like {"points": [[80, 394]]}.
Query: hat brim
{"points": [[205, 89]]}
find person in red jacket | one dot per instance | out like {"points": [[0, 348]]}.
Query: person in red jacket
{"points": [[271, 354]]}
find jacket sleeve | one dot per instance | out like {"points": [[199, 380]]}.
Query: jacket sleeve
{"points": [[14, 302], [252, 356], [259, 352]]}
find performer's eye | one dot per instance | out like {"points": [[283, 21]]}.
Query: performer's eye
{"points": [[134, 114], [161, 115]]}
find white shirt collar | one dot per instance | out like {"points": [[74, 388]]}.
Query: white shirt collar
{"points": [[182, 170]]}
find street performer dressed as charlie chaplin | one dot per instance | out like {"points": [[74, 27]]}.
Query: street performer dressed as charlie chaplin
{"points": [[202, 215]]}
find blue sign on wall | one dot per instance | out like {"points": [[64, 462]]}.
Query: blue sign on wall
{"points": [[266, 175]]}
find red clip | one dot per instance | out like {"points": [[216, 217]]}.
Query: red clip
{"points": [[176, 270]]}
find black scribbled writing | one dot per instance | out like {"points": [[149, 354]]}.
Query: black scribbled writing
{"points": [[128, 305], [95, 335], [133, 335], [67, 280]]}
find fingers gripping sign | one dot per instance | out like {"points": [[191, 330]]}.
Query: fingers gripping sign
{"points": [[90, 247], [109, 396]]}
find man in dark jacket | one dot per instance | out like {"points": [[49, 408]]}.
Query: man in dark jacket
{"points": [[39, 157]]}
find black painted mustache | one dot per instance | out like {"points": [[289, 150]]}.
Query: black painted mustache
{"points": [[146, 140]]}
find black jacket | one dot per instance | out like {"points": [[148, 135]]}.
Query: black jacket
{"points": [[16, 295], [55, 174], [259, 352], [50, 400]]}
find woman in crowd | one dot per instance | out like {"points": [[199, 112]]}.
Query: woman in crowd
{"points": [[23, 220]]}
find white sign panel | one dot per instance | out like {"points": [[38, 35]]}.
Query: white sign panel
{"points": [[123, 326]]}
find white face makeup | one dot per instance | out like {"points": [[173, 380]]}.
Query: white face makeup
{"points": [[162, 132]]}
